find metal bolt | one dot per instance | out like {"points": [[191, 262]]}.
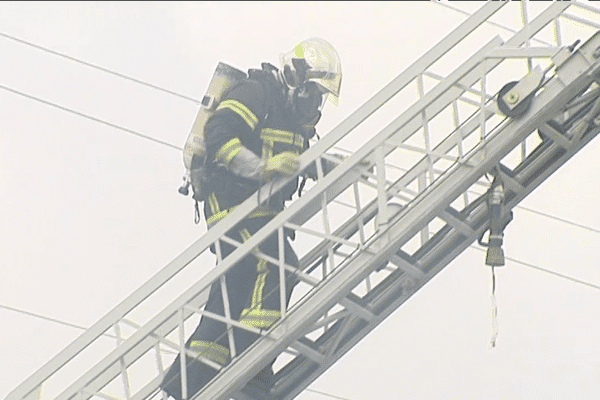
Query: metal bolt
{"points": [[512, 97]]}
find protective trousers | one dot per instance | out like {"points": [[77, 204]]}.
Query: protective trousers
{"points": [[253, 294]]}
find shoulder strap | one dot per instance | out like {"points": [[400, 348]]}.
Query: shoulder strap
{"points": [[266, 76]]}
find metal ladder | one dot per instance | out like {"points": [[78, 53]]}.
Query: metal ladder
{"points": [[383, 223]]}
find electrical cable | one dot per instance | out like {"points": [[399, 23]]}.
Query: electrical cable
{"points": [[57, 321], [553, 273], [95, 119], [150, 85], [68, 324], [326, 394], [560, 219], [31, 97], [529, 265], [60, 322]]}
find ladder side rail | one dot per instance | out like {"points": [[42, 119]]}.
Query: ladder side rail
{"points": [[412, 113]]}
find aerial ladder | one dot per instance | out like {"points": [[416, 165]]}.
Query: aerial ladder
{"points": [[441, 174]]}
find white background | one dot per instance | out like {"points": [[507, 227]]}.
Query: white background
{"points": [[89, 212]]}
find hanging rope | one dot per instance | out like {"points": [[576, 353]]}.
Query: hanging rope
{"points": [[494, 311]]}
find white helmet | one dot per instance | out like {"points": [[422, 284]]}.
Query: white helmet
{"points": [[324, 67]]}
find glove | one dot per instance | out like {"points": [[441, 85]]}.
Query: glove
{"points": [[285, 163]]}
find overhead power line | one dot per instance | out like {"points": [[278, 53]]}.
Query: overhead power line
{"points": [[560, 219], [326, 394], [150, 85], [14, 91], [529, 265], [56, 321], [553, 273], [95, 119]]}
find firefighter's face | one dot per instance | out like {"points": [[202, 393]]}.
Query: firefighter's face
{"points": [[307, 101]]}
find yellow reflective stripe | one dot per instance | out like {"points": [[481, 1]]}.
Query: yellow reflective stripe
{"points": [[259, 285], [228, 151], [222, 214], [241, 110], [214, 204], [217, 216], [211, 350], [212, 345], [259, 318], [280, 135], [261, 266], [245, 234], [250, 312]]}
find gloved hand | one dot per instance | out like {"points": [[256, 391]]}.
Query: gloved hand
{"points": [[286, 163]]}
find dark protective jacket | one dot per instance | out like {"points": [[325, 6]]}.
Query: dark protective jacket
{"points": [[252, 114]]}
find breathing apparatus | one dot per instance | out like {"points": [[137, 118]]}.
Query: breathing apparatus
{"points": [[304, 99], [224, 77]]}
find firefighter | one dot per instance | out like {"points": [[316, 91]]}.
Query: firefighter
{"points": [[257, 132]]}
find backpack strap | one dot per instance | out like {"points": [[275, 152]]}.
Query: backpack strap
{"points": [[272, 88]]}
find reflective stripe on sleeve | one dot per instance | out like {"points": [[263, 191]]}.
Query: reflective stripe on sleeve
{"points": [[241, 110], [228, 151], [282, 136]]}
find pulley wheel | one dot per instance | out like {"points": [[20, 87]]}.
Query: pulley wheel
{"points": [[520, 109]]}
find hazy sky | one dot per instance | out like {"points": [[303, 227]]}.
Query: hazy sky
{"points": [[89, 212]]}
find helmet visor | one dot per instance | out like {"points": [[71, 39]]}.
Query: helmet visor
{"points": [[324, 62]]}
